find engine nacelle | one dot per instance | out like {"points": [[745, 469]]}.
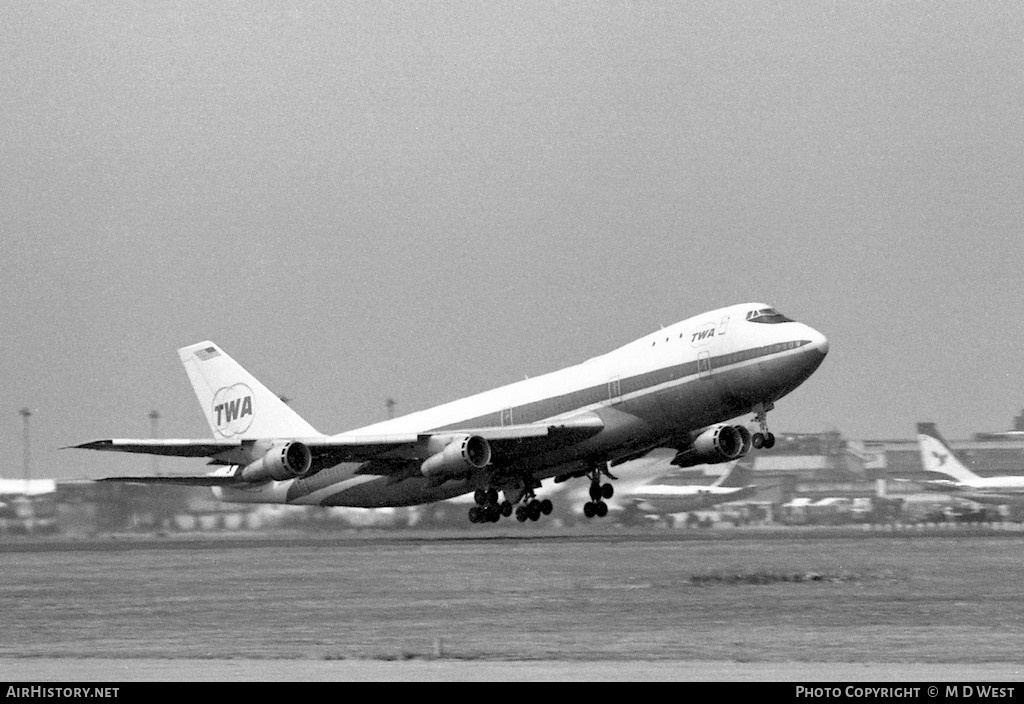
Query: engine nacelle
{"points": [[289, 460], [462, 454], [720, 443]]}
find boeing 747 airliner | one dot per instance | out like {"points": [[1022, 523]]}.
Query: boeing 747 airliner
{"points": [[680, 387]]}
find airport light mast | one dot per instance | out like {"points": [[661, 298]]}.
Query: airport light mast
{"points": [[154, 416], [26, 414]]}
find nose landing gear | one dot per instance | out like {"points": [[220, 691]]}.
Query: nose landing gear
{"points": [[763, 438]]}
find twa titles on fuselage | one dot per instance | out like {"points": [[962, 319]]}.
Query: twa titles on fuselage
{"points": [[678, 388]]}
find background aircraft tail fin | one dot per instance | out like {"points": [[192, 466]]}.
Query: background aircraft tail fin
{"points": [[235, 403], [739, 475], [937, 456]]}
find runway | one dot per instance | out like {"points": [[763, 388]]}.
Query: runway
{"points": [[149, 670], [540, 607]]}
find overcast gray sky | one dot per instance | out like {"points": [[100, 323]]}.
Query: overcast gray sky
{"points": [[423, 200]]}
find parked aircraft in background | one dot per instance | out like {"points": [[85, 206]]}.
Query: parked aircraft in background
{"points": [[27, 505], [27, 487], [937, 456], [735, 485], [680, 387]]}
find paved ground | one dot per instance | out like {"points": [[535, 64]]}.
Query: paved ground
{"points": [[149, 670], [790, 607]]}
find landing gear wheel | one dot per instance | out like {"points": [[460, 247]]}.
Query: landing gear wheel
{"points": [[533, 510], [474, 514], [588, 509], [480, 496], [762, 438], [522, 513], [492, 496], [506, 509], [601, 509], [546, 507], [598, 490]]}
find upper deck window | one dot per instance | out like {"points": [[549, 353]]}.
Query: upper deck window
{"points": [[767, 315]]}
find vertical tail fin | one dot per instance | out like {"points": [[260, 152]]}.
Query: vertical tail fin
{"points": [[235, 403], [739, 475], [937, 456]]}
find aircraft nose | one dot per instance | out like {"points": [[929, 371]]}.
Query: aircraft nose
{"points": [[818, 341]]}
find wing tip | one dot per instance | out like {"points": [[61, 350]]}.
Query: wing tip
{"points": [[91, 445]]}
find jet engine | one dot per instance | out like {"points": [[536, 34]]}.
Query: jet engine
{"points": [[460, 455], [719, 443], [289, 460]]}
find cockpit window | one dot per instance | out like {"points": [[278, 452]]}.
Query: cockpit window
{"points": [[767, 315]]}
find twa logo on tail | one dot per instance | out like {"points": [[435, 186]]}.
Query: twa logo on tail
{"points": [[232, 409]]}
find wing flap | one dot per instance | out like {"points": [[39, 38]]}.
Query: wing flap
{"points": [[577, 427]]}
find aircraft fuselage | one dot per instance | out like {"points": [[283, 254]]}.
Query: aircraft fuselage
{"points": [[652, 392]]}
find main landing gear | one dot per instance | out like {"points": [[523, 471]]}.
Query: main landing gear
{"points": [[763, 438], [598, 491], [488, 510], [532, 509]]}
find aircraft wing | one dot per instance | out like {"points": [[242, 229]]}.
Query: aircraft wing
{"points": [[327, 449], [172, 448], [202, 480], [507, 444], [945, 486], [997, 498]]}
